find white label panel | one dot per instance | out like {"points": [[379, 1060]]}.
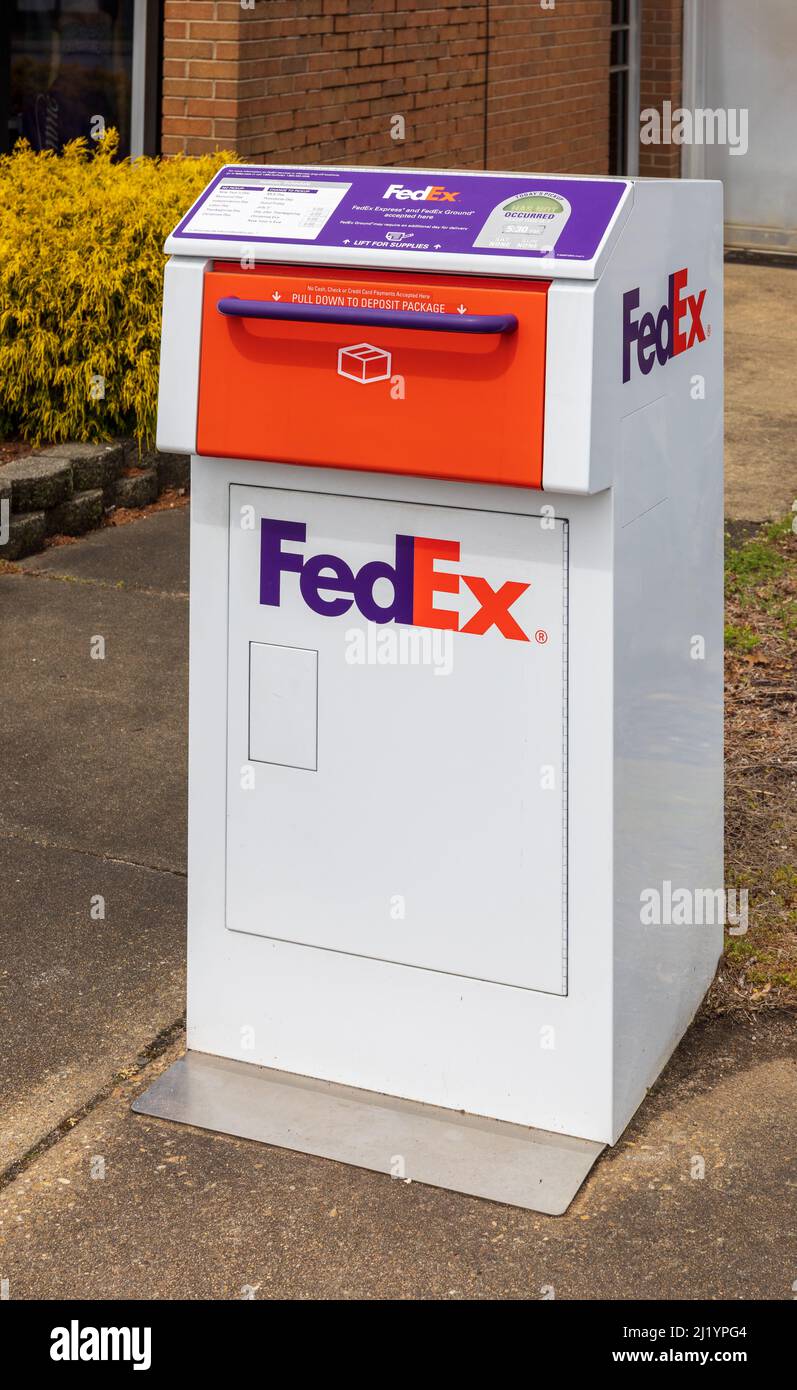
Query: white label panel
{"points": [[277, 208], [432, 832]]}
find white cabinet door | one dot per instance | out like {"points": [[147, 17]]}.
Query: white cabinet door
{"points": [[396, 789]]}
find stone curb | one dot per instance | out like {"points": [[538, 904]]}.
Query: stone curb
{"points": [[26, 533], [81, 512], [93, 466], [137, 490], [38, 483], [66, 490]]}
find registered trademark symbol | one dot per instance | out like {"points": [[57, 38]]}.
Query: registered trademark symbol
{"points": [[541, 636]]}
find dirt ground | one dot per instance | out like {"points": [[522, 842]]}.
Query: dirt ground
{"points": [[760, 967], [760, 391]]}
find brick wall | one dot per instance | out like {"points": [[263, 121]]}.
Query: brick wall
{"points": [[662, 22], [323, 81], [506, 84], [548, 88], [201, 51]]}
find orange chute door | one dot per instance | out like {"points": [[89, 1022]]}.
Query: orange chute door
{"points": [[350, 370]]}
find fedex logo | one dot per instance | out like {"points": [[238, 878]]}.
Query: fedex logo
{"points": [[330, 587], [676, 327], [433, 193]]}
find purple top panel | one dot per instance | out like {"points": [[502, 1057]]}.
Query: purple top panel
{"points": [[397, 210]]}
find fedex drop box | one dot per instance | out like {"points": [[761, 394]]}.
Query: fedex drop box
{"points": [[455, 663]]}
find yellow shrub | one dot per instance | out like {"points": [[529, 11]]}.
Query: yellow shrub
{"points": [[81, 275]]}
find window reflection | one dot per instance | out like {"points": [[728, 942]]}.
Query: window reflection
{"points": [[71, 62]]}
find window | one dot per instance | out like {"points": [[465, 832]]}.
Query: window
{"points": [[624, 88], [66, 63]]}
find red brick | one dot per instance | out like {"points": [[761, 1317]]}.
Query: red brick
{"points": [[215, 29], [189, 9], [661, 79], [185, 48]]}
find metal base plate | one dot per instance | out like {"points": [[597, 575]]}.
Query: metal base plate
{"points": [[502, 1162]]}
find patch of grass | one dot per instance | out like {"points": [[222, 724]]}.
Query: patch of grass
{"points": [[741, 638], [766, 956], [760, 965], [786, 616], [758, 562]]}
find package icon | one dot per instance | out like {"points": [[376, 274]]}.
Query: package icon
{"points": [[364, 363]]}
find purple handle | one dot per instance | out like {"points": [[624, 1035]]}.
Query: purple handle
{"points": [[368, 318]]}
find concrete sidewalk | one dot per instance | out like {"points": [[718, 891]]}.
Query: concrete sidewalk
{"points": [[182, 1213], [92, 817]]}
